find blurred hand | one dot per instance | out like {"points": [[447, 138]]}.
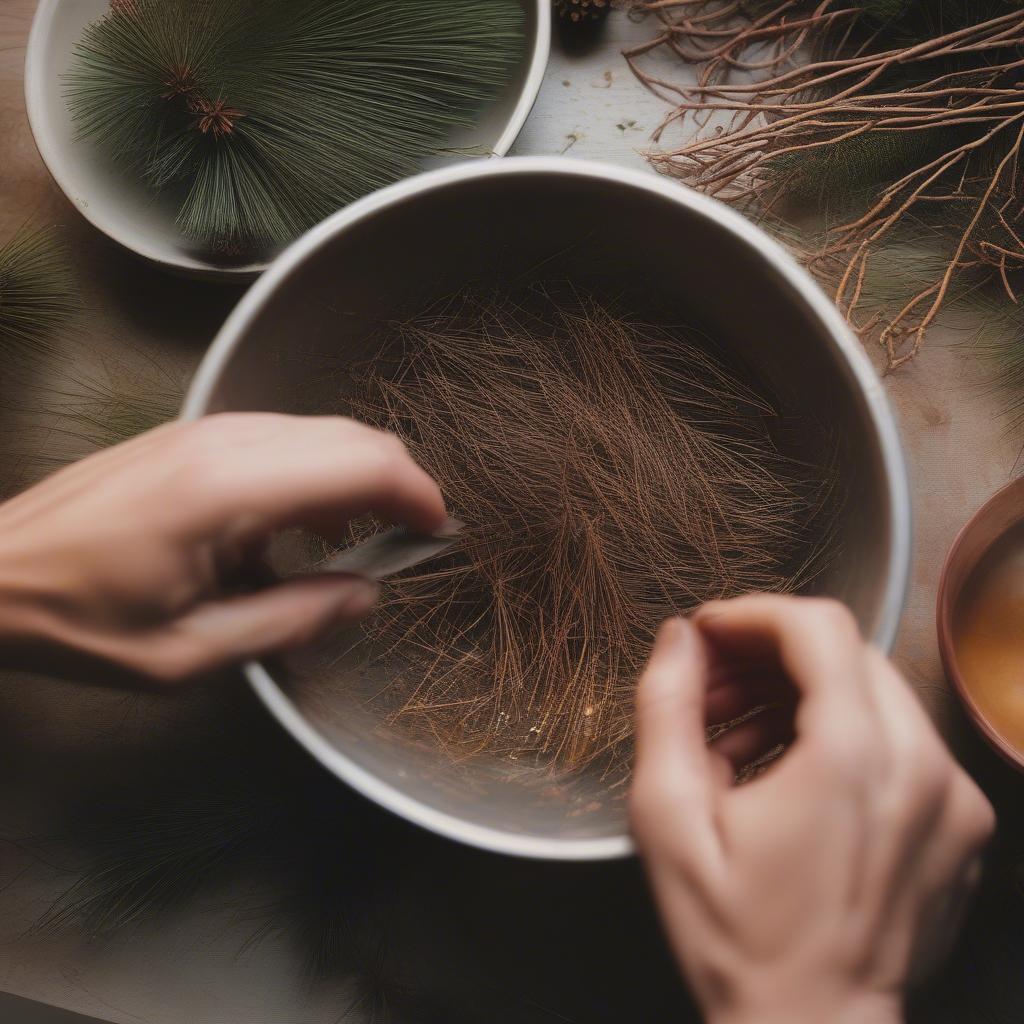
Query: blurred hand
{"points": [[127, 558], [815, 891]]}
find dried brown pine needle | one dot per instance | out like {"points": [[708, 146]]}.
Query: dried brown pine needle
{"points": [[610, 473]]}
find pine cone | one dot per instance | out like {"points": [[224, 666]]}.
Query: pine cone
{"points": [[581, 12]]}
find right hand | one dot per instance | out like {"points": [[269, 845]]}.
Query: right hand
{"points": [[130, 559], [815, 891]]}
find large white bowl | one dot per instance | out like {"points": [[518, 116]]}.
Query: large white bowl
{"points": [[128, 212], [290, 342]]}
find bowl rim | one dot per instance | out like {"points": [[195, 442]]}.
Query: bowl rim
{"points": [[746, 233], [945, 603], [35, 72]]}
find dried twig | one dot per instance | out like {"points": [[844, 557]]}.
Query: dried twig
{"points": [[812, 93]]}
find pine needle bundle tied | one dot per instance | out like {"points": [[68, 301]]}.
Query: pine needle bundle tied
{"points": [[37, 293], [886, 114], [259, 120], [611, 472]]}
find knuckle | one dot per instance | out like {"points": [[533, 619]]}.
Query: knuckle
{"points": [[921, 768], [381, 458], [216, 430], [157, 666], [167, 672], [986, 823], [909, 801], [225, 432], [923, 788], [350, 427], [199, 453], [201, 475], [209, 452], [831, 616], [979, 816], [375, 437], [931, 783], [176, 660]]}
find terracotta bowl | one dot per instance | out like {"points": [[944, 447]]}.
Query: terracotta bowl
{"points": [[989, 524]]}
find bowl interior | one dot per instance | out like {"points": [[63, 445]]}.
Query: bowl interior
{"points": [[129, 213], [670, 260]]}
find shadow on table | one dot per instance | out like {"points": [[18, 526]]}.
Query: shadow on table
{"points": [[426, 930]]}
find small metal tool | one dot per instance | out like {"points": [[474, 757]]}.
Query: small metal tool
{"points": [[394, 550]]}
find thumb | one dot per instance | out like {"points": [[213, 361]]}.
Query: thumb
{"points": [[673, 774], [280, 618]]}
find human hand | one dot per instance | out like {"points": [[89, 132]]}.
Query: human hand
{"points": [[813, 892], [126, 557]]}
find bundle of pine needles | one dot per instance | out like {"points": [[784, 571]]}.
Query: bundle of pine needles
{"points": [[611, 472], [883, 114], [37, 293], [258, 120]]}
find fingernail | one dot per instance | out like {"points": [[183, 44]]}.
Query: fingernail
{"points": [[707, 609], [676, 632]]}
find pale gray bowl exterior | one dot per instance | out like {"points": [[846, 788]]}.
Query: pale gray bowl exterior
{"points": [[521, 201], [127, 212]]}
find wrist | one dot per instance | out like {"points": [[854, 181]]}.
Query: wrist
{"points": [[868, 1008]]}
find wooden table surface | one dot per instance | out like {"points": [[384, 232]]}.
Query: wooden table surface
{"points": [[479, 938]]}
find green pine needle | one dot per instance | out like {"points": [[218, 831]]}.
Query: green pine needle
{"points": [[999, 341], [102, 411], [845, 174], [886, 10], [258, 120], [37, 292]]}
